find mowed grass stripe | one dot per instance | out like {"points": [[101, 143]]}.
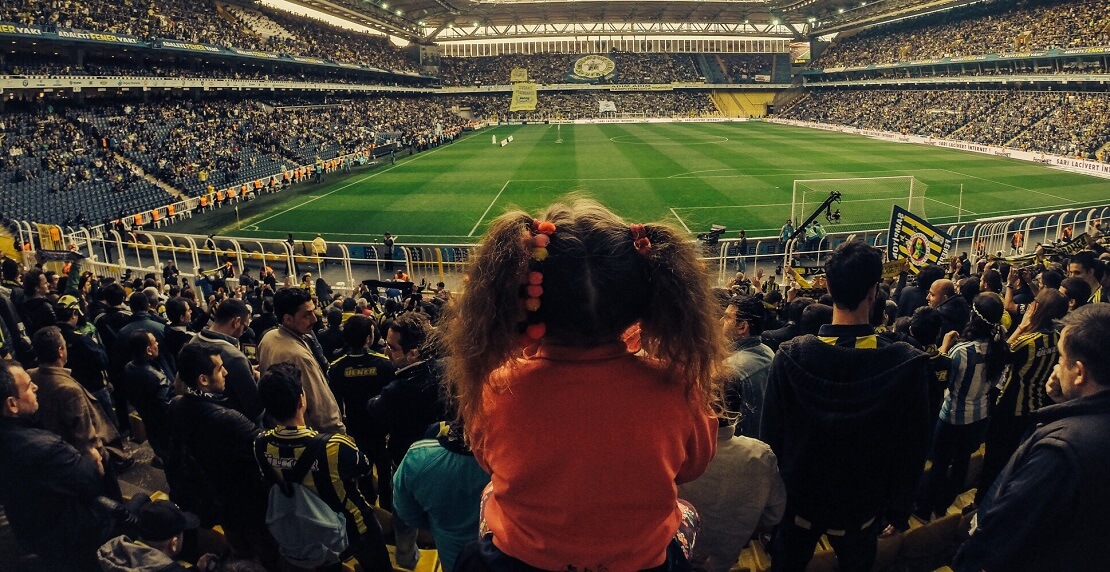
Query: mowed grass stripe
{"points": [[651, 168]]}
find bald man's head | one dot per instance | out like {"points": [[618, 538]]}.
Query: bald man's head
{"points": [[940, 291]]}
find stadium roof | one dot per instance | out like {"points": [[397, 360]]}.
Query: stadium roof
{"points": [[437, 20]]}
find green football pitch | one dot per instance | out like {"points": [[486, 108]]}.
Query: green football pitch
{"points": [[739, 175]]}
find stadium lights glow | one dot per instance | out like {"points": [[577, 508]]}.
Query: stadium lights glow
{"points": [[400, 12], [840, 10], [775, 21]]}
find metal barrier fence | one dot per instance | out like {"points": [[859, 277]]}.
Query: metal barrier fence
{"points": [[344, 266]]}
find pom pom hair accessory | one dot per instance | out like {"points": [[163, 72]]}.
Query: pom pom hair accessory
{"points": [[640, 240], [538, 241]]}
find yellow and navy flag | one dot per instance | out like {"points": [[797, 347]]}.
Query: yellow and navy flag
{"points": [[913, 238], [524, 97]]}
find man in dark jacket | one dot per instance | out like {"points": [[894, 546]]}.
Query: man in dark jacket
{"points": [[108, 324], [47, 487], [177, 334], [88, 359], [215, 448], [36, 310], [407, 406], [16, 341], [793, 328], [331, 337], [846, 413], [143, 319], [1050, 507], [953, 309], [229, 322], [355, 379], [410, 403], [149, 390], [912, 297]]}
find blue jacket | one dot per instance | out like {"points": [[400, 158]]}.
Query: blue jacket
{"points": [[1050, 507], [438, 487]]}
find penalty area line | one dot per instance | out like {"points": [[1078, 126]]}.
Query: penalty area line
{"points": [[680, 221], [493, 202]]}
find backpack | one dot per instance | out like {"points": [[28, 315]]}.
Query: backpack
{"points": [[309, 533]]}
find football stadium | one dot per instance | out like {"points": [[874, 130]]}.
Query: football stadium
{"points": [[578, 285]]}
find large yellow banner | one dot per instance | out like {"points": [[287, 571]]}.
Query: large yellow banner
{"points": [[524, 97]]}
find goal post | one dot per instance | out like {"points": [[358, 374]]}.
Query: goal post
{"points": [[865, 203]]}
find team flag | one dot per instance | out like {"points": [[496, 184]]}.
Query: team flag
{"points": [[524, 97], [912, 237]]}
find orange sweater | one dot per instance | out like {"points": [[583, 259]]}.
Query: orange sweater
{"points": [[585, 449]]}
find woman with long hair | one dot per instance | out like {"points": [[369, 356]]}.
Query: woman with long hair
{"points": [[978, 357], [1032, 356], [585, 440]]}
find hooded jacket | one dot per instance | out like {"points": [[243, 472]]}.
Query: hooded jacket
{"points": [[850, 427], [954, 314], [121, 554]]}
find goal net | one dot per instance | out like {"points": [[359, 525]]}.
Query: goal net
{"points": [[865, 203]]}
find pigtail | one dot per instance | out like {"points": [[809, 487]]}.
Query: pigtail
{"points": [[679, 322], [481, 332]]}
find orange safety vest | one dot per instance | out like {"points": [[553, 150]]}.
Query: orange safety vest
{"points": [[243, 189], [55, 234], [257, 184], [204, 201], [220, 196], [170, 210], [139, 219], [154, 216], [231, 192]]}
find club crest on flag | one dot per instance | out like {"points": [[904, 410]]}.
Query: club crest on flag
{"points": [[913, 238]]}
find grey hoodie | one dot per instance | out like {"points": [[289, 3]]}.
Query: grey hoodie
{"points": [[121, 554]]}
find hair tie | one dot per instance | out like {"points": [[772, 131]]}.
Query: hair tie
{"points": [[531, 291], [640, 240]]}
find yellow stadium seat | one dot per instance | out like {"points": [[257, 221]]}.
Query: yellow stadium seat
{"points": [[138, 428], [887, 552], [823, 561], [933, 540]]}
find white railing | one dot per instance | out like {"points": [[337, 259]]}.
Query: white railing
{"points": [[345, 265]]}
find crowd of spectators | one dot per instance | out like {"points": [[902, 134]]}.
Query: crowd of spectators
{"points": [[50, 170], [585, 104], [1002, 69], [208, 23], [554, 68], [1074, 124], [57, 164], [813, 416], [982, 28], [28, 64], [742, 68]]}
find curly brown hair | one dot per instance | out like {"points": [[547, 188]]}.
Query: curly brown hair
{"points": [[595, 286]]}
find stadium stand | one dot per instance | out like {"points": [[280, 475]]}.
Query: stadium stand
{"points": [[50, 170], [207, 22], [90, 158], [81, 160], [553, 68], [1073, 124], [983, 28]]}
